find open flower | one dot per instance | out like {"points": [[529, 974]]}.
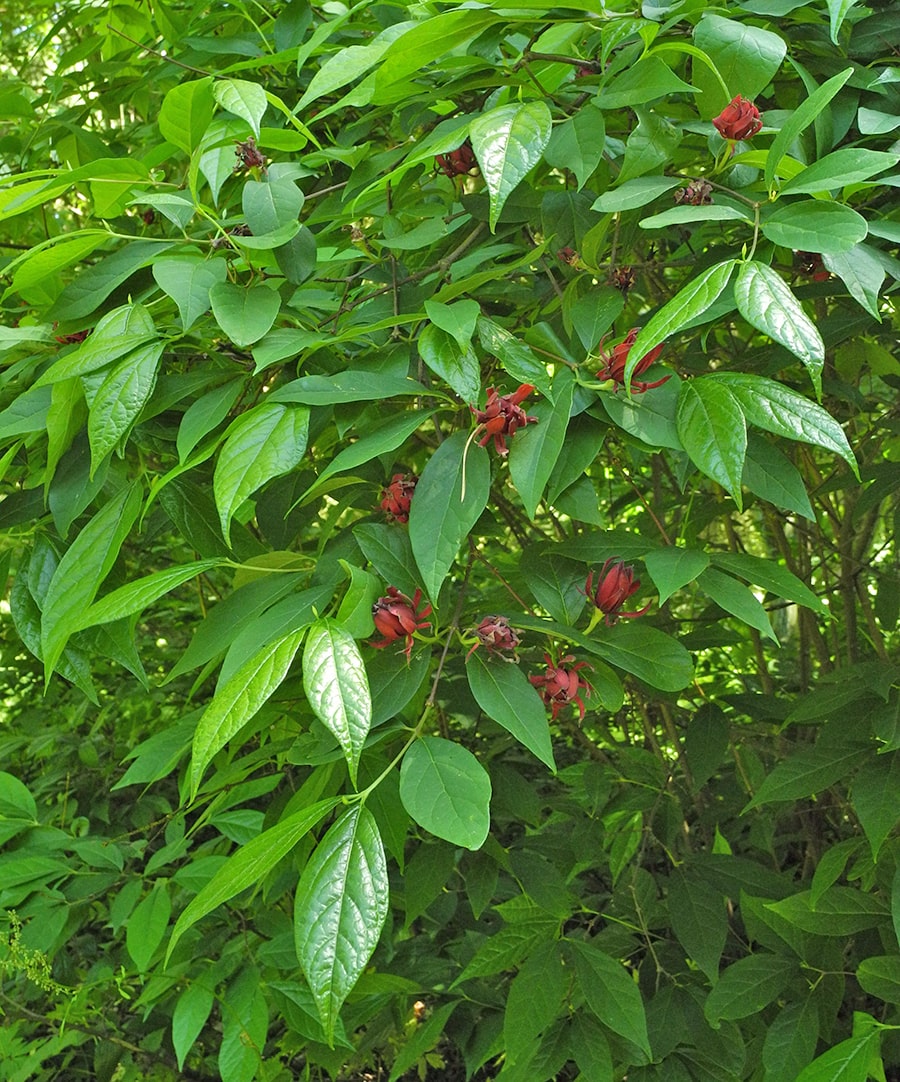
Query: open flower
{"points": [[397, 496], [615, 584], [615, 360], [497, 637], [562, 683], [398, 617], [502, 416], [456, 162], [697, 194], [740, 119]]}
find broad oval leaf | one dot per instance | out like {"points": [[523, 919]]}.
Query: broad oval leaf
{"points": [[671, 568], [634, 193], [335, 682], [245, 313], [239, 699], [186, 112], [505, 695], [447, 791], [747, 986], [245, 99], [610, 993], [712, 430], [815, 226], [737, 599], [265, 442], [457, 365], [340, 908], [188, 282], [848, 166], [535, 450], [249, 865], [508, 142], [442, 514]]}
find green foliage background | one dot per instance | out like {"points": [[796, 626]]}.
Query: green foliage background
{"points": [[236, 841]]}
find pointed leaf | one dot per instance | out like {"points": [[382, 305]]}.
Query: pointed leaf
{"points": [[505, 695], [800, 119], [245, 313], [808, 772], [188, 282], [535, 450], [747, 986], [735, 598], [244, 99], [671, 568], [611, 994], [447, 791], [335, 682], [457, 366], [341, 906], [712, 428], [136, 596], [120, 398], [508, 143]]}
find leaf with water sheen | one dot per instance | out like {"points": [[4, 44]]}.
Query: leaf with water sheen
{"points": [[335, 682], [340, 908]]}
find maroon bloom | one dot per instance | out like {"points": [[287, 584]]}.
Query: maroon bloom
{"points": [[567, 255], [497, 637], [616, 583], [502, 416], [740, 119], [614, 362], [457, 162], [396, 497], [810, 264], [697, 194], [75, 336], [249, 156], [398, 617], [562, 683]]}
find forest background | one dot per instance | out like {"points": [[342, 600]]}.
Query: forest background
{"points": [[449, 467]]}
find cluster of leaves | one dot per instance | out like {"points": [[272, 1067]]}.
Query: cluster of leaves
{"points": [[461, 326]]}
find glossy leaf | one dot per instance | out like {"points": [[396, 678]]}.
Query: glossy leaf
{"points": [[713, 431], [505, 695], [815, 226], [735, 598], [671, 568], [508, 142], [136, 596], [633, 194], [800, 119], [186, 112], [341, 906], [577, 144], [447, 791], [334, 679], [457, 366], [245, 314], [245, 99], [188, 282], [847, 1061], [535, 450], [120, 398]]}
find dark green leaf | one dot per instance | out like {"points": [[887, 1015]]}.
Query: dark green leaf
{"points": [[712, 429], [505, 695], [447, 791]]}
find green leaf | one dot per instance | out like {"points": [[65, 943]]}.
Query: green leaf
{"points": [[388, 550], [147, 925], [508, 142], [136, 596], [808, 772], [633, 194], [703, 213], [730, 595], [689, 303], [348, 386], [706, 743], [862, 272], [515, 356], [335, 682], [245, 313], [447, 791], [699, 921], [249, 865], [441, 515], [768, 304], [89, 289], [848, 1061], [577, 144], [746, 57], [244, 99], [771, 576], [837, 12], [505, 695], [269, 205], [458, 320], [265, 442], [777, 409], [650, 78], [457, 365], [713, 431], [801, 118], [652, 143], [535, 999], [874, 798], [852, 165], [791, 1040], [770, 474], [186, 112], [341, 906], [120, 398], [191, 1012], [423, 1039], [82, 569], [671, 568], [840, 911], [535, 449], [188, 281], [239, 699], [555, 582], [815, 226], [611, 994], [880, 977], [747, 986]]}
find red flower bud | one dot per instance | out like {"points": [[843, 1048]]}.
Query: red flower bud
{"points": [[502, 416], [614, 362], [396, 497], [740, 119], [497, 637], [456, 162], [616, 583], [398, 617], [562, 683]]}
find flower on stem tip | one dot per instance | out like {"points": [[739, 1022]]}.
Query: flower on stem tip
{"points": [[396, 497], [740, 119], [615, 584], [502, 416], [398, 617], [562, 683], [456, 162], [615, 360], [497, 637]]}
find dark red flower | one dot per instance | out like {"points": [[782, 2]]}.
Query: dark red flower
{"points": [[497, 637], [398, 617], [561, 683], [456, 162], [396, 497], [149, 216], [502, 416], [75, 336], [249, 155], [740, 119], [616, 583], [614, 362], [810, 264], [697, 194]]}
